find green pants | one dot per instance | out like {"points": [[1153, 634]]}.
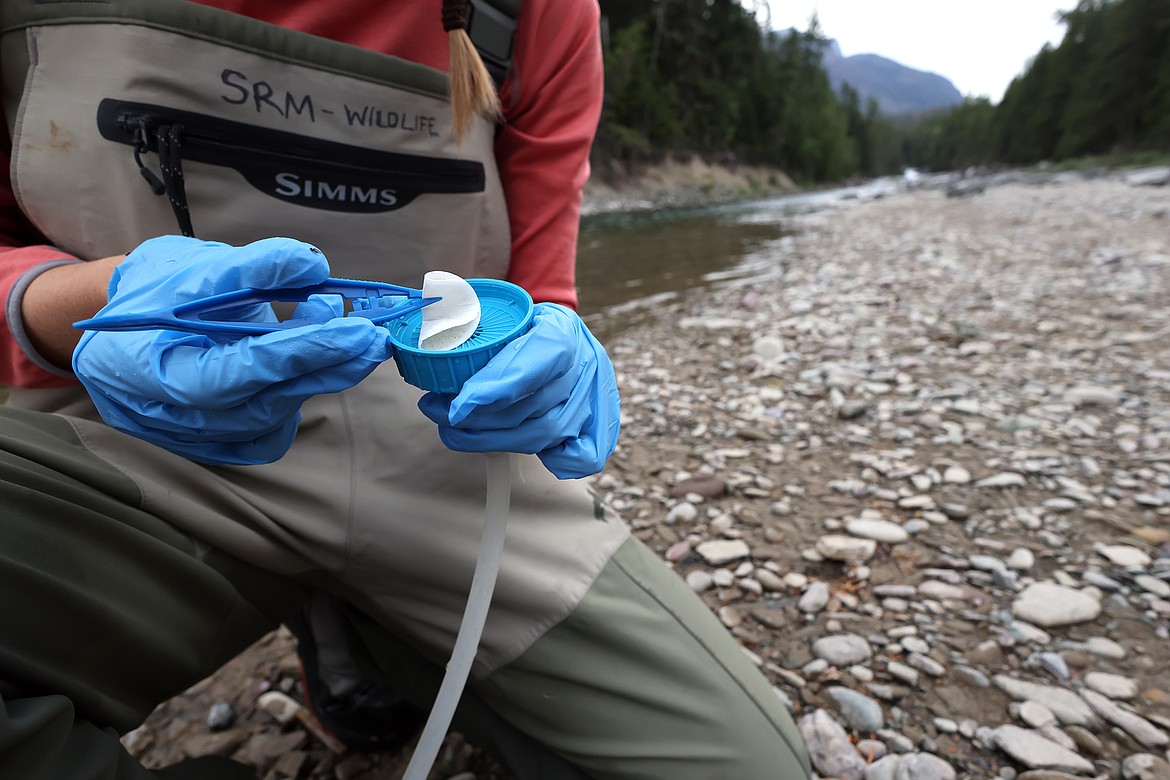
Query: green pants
{"points": [[107, 611]]}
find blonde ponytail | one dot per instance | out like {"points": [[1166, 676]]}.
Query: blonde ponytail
{"points": [[472, 89]]}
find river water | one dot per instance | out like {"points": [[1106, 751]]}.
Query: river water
{"points": [[630, 262]]}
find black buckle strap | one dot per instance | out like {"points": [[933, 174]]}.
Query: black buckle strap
{"points": [[493, 33]]}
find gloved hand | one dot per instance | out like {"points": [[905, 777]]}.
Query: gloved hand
{"points": [[221, 402], [550, 392]]}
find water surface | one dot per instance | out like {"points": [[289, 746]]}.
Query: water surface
{"points": [[629, 262]]}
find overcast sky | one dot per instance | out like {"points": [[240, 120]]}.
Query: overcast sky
{"points": [[980, 45]]}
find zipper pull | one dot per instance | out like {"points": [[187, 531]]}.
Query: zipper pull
{"points": [[140, 146]]}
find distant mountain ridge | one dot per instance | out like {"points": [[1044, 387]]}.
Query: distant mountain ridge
{"points": [[897, 88]]}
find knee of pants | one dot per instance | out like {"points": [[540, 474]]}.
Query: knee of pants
{"points": [[641, 681]]}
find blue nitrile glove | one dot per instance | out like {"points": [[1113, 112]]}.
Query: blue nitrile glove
{"points": [[551, 392], [221, 402]]}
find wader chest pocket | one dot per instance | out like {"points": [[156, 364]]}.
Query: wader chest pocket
{"points": [[290, 167]]}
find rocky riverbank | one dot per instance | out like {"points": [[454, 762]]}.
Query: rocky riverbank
{"points": [[920, 469]]}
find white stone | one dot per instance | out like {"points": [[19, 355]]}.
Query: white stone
{"points": [[967, 406], [1149, 177], [795, 579], [969, 348], [1053, 663], [1060, 505], [730, 616], [1091, 395], [1105, 647], [719, 526], [712, 323], [1004, 479], [1047, 605], [1135, 725], [1151, 584], [1028, 632], [916, 502], [986, 563], [814, 667], [1021, 559], [751, 586], [872, 749], [282, 707], [956, 475], [1053, 733], [921, 482], [923, 766], [926, 664], [768, 347], [699, 580], [1097, 583], [839, 547], [860, 711], [769, 580], [884, 768], [1112, 685], [861, 673], [1036, 752], [682, 512], [721, 551], [1125, 556], [829, 748], [814, 598], [933, 589], [903, 672], [914, 644], [878, 530], [1036, 714], [1142, 766], [1068, 708], [842, 649], [1149, 499]]}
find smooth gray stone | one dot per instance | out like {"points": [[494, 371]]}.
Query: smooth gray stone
{"points": [[861, 712]]}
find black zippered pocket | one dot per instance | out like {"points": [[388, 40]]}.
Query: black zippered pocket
{"points": [[287, 166]]}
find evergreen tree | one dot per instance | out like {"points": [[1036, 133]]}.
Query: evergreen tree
{"points": [[1104, 89], [700, 76]]}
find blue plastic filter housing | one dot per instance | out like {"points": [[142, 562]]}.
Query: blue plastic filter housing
{"points": [[505, 313]]}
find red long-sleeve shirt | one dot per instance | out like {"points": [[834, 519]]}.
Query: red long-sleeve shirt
{"points": [[551, 109]]}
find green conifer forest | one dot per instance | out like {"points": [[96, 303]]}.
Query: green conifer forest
{"points": [[704, 77]]}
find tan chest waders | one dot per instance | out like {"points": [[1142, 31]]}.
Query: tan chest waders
{"points": [[251, 131], [598, 652], [136, 118]]}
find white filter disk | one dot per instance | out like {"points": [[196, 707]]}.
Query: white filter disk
{"points": [[453, 320]]}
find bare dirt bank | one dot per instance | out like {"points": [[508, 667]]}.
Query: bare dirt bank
{"points": [[682, 182]]}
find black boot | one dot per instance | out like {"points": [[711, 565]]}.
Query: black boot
{"points": [[365, 715]]}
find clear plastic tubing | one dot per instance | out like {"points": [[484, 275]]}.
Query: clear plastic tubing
{"points": [[483, 582]]}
